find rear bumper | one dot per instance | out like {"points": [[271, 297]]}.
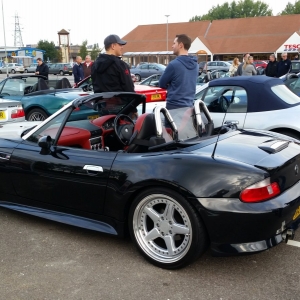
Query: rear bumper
{"points": [[235, 227]]}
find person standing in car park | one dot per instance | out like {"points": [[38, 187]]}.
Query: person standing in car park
{"points": [[271, 68], [78, 70], [284, 66], [180, 76], [109, 72], [42, 68], [87, 66], [240, 67]]}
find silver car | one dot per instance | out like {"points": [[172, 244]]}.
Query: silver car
{"points": [[218, 65], [31, 68], [12, 68]]}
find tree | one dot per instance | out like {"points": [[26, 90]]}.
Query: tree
{"points": [[291, 9], [83, 52], [242, 9], [51, 52], [95, 51]]}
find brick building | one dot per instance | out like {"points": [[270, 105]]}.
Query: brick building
{"points": [[216, 40]]}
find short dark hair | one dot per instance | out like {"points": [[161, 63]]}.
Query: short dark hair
{"points": [[185, 40], [39, 59]]}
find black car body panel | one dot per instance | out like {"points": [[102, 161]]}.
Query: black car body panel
{"points": [[54, 172]]}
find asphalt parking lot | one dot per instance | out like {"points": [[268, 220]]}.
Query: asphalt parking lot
{"points": [[41, 259]]}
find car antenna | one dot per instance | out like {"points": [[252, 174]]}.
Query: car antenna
{"points": [[214, 151]]}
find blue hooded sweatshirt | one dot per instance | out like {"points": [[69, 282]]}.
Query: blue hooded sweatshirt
{"points": [[179, 78]]}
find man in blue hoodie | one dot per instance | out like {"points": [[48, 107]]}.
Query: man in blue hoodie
{"points": [[180, 76]]}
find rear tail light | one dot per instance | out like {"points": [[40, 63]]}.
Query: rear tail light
{"points": [[17, 113], [260, 191]]}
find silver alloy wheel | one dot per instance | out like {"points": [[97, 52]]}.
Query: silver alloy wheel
{"points": [[36, 116], [162, 228]]}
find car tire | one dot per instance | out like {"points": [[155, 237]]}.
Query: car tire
{"points": [[13, 71], [61, 73], [138, 77], [25, 71], [0, 72], [36, 114], [166, 229]]}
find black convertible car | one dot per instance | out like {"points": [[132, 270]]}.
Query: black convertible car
{"points": [[170, 179]]}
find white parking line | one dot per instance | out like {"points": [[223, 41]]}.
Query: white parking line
{"points": [[293, 243]]}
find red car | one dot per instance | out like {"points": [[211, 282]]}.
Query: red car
{"points": [[152, 93], [260, 63]]}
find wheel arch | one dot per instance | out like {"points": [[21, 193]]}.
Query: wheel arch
{"points": [[156, 184], [28, 109], [285, 130]]}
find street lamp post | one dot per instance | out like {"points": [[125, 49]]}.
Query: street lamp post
{"points": [[167, 29], [4, 39], [69, 42]]}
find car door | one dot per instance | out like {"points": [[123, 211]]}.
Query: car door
{"points": [[229, 100], [65, 177], [144, 70], [212, 65], [153, 69], [53, 69]]}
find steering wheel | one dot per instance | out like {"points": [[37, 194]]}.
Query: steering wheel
{"points": [[123, 130], [224, 103]]}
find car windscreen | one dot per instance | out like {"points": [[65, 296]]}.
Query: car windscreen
{"points": [[285, 94]]}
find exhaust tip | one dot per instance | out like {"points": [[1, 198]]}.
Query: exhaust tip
{"points": [[289, 234]]}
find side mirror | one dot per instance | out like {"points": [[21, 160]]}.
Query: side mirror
{"points": [[45, 143]]}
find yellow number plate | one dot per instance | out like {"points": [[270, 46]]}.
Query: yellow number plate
{"points": [[2, 115], [156, 97], [297, 213], [93, 117]]}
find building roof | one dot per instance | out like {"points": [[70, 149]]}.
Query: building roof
{"points": [[63, 31], [150, 38], [257, 34]]}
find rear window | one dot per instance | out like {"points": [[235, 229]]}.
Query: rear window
{"points": [[285, 94]]}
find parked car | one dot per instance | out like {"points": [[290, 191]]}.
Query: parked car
{"points": [[177, 190], [152, 93], [146, 69], [12, 68], [292, 81], [60, 68], [260, 63], [218, 65], [31, 68], [258, 102], [38, 99]]}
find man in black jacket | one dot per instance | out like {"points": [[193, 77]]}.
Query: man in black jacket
{"points": [[109, 72], [284, 66], [271, 68], [42, 68]]}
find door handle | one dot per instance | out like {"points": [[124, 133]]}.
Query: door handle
{"points": [[232, 122], [93, 168]]}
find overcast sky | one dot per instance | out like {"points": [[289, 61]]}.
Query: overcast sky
{"points": [[96, 19]]}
